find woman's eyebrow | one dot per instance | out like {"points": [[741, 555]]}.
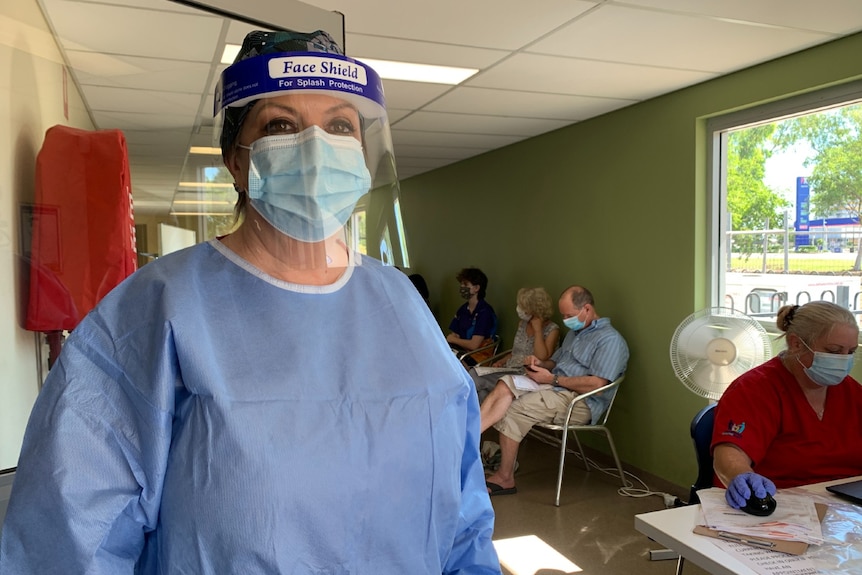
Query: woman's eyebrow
{"points": [[286, 108], [338, 107]]}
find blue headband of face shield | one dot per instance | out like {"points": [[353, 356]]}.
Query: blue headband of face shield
{"points": [[281, 73]]}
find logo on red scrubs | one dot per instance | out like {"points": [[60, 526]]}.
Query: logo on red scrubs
{"points": [[734, 429]]}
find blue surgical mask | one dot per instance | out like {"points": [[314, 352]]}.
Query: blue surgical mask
{"points": [[574, 323], [828, 368], [307, 184]]}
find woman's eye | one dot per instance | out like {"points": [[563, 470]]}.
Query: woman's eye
{"points": [[341, 127], [280, 126]]}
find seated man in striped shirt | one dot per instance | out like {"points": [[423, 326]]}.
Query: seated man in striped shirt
{"points": [[592, 355]]}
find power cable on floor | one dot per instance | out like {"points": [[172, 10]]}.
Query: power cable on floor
{"points": [[629, 490]]}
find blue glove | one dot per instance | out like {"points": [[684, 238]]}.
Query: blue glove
{"points": [[743, 485]]}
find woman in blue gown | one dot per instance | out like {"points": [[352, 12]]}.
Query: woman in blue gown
{"points": [[242, 406]]}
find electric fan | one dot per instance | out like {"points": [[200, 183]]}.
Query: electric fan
{"points": [[713, 346]]}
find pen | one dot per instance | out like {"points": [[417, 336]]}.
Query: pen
{"points": [[738, 539]]}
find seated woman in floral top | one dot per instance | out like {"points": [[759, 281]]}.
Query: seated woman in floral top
{"points": [[534, 310]]}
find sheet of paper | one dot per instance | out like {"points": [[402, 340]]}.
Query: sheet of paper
{"points": [[525, 383], [795, 518], [765, 562], [482, 370]]}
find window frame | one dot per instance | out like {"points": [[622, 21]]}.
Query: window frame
{"points": [[716, 133]]}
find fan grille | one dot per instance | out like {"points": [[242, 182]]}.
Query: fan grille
{"points": [[714, 346]]}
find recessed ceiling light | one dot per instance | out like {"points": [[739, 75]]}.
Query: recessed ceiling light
{"points": [[205, 150], [230, 52], [391, 70], [202, 202], [202, 214], [206, 185]]}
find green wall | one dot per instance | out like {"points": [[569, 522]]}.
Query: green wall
{"points": [[618, 204]]}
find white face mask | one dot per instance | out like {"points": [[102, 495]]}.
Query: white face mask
{"points": [[522, 314]]}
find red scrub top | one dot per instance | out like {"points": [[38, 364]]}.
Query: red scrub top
{"points": [[765, 413]]}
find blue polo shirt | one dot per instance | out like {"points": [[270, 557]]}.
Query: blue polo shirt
{"points": [[483, 321]]}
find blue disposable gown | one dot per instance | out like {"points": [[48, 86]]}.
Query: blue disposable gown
{"points": [[206, 418]]}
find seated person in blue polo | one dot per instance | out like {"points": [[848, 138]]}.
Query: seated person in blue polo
{"points": [[475, 322]]}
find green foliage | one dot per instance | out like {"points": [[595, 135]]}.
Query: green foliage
{"points": [[752, 205], [836, 178]]}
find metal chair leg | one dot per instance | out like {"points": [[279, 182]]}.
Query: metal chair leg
{"points": [[562, 465], [581, 449], [616, 457]]}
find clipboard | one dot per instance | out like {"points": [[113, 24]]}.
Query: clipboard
{"points": [[790, 547]]}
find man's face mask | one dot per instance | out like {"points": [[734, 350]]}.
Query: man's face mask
{"points": [[307, 184], [465, 292], [574, 323]]}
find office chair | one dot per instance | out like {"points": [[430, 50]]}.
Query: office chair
{"points": [[541, 431], [701, 436]]}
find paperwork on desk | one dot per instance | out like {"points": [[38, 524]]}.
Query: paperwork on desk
{"points": [[766, 562], [794, 519], [841, 529]]}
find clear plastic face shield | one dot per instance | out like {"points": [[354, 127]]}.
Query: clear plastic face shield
{"points": [[308, 137]]}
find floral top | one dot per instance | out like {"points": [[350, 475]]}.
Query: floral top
{"points": [[523, 344]]}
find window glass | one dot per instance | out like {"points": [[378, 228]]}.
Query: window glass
{"points": [[786, 212]]}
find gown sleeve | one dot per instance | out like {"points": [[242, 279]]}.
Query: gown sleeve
{"points": [[88, 484], [472, 551]]}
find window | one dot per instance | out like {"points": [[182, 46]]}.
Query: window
{"points": [[786, 182]]}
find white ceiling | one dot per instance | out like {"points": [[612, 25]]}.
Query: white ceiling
{"points": [[149, 67]]}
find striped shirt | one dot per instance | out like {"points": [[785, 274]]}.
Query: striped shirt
{"points": [[598, 350]]}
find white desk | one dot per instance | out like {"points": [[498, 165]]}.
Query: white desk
{"points": [[673, 529]]}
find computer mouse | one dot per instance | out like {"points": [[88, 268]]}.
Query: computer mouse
{"points": [[760, 506]]}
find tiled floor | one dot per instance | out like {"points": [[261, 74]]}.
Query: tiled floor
{"points": [[594, 525]]}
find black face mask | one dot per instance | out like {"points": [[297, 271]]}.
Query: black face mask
{"points": [[465, 292]]}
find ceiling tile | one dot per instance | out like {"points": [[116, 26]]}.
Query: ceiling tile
{"points": [[381, 48], [107, 99], [123, 30], [463, 140], [428, 163], [505, 126], [142, 73], [411, 95], [480, 23], [524, 104], [557, 75], [160, 5], [138, 121], [835, 16], [158, 137], [435, 152], [672, 40]]}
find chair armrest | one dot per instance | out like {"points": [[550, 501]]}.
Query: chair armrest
{"points": [[581, 397], [490, 360], [495, 341]]}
